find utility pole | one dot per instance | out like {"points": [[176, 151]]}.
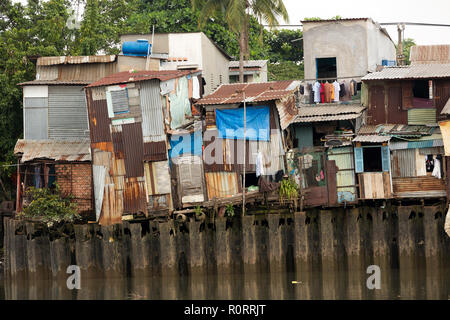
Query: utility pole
{"points": [[245, 155], [400, 55]]}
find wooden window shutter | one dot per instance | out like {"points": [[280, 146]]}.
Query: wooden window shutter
{"points": [[407, 95], [359, 160]]}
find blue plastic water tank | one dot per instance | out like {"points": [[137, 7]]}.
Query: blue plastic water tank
{"points": [[138, 48]]}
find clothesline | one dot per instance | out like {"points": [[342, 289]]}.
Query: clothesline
{"points": [[333, 78]]}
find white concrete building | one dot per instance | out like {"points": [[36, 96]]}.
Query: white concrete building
{"points": [[177, 51], [254, 71], [345, 48]]}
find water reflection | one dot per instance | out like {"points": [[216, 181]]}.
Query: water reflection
{"points": [[409, 278]]}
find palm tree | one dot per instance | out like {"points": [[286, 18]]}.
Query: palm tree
{"points": [[237, 15]]}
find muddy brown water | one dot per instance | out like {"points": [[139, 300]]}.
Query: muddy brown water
{"points": [[413, 277]]}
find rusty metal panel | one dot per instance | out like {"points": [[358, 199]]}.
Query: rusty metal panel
{"points": [[99, 121], [133, 147], [117, 140], [430, 54], [86, 72], [221, 184], [377, 107], [395, 112], [155, 151], [404, 163], [134, 196], [441, 94]]}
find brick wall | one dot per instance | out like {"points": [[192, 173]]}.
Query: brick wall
{"points": [[76, 179]]}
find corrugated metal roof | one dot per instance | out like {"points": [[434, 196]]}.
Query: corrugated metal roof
{"points": [[418, 71], [430, 54], [58, 150], [328, 113], [50, 61], [446, 109], [254, 92], [55, 82], [249, 63], [397, 130], [372, 138], [127, 76]]}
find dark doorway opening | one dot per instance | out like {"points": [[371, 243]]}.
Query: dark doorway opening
{"points": [[326, 68], [421, 89], [250, 180], [372, 159]]}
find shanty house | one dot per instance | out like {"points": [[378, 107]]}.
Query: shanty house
{"points": [[414, 94], [179, 51], [321, 160], [400, 161], [55, 147], [131, 115], [259, 151], [254, 71]]}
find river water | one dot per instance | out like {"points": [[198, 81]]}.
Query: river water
{"points": [[409, 278]]}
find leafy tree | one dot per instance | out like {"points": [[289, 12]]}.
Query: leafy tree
{"points": [[285, 45], [285, 70], [407, 44]]}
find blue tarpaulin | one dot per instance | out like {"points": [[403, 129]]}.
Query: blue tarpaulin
{"points": [[230, 123]]}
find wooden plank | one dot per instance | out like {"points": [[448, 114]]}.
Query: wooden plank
{"points": [[332, 183]]}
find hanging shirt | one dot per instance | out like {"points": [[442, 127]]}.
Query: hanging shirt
{"points": [[328, 91], [317, 89], [309, 89], [322, 92], [195, 88], [342, 90], [337, 88]]}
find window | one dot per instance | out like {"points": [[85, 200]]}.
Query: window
{"points": [[372, 159], [421, 89], [326, 68], [117, 101]]}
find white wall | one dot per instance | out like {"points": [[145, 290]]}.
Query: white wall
{"points": [[345, 40], [379, 45], [215, 65]]}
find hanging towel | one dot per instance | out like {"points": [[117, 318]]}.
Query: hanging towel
{"points": [[259, 165], [337, 89], [195, 88], [437, 169]]}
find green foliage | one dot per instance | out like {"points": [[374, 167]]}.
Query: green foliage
{"points": [[229, 210], [288, 190], [50, 206], [312, 19], [285, 70], [285, 45], [407, 44]]}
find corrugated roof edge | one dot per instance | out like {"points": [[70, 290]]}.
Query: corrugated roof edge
{"points": [[329, 20], [161, 75], [55, 82]]}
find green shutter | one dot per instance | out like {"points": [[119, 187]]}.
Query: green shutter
{"points": [[359, 160], [421, 116], [385, 158]]}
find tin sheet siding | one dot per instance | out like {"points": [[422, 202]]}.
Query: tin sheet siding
{"points": [[133, 147], [221, 184], [345, 175], [152, 114], [404, 163], [67, 112], [99, 121], [421, 116], [35, 115]]}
